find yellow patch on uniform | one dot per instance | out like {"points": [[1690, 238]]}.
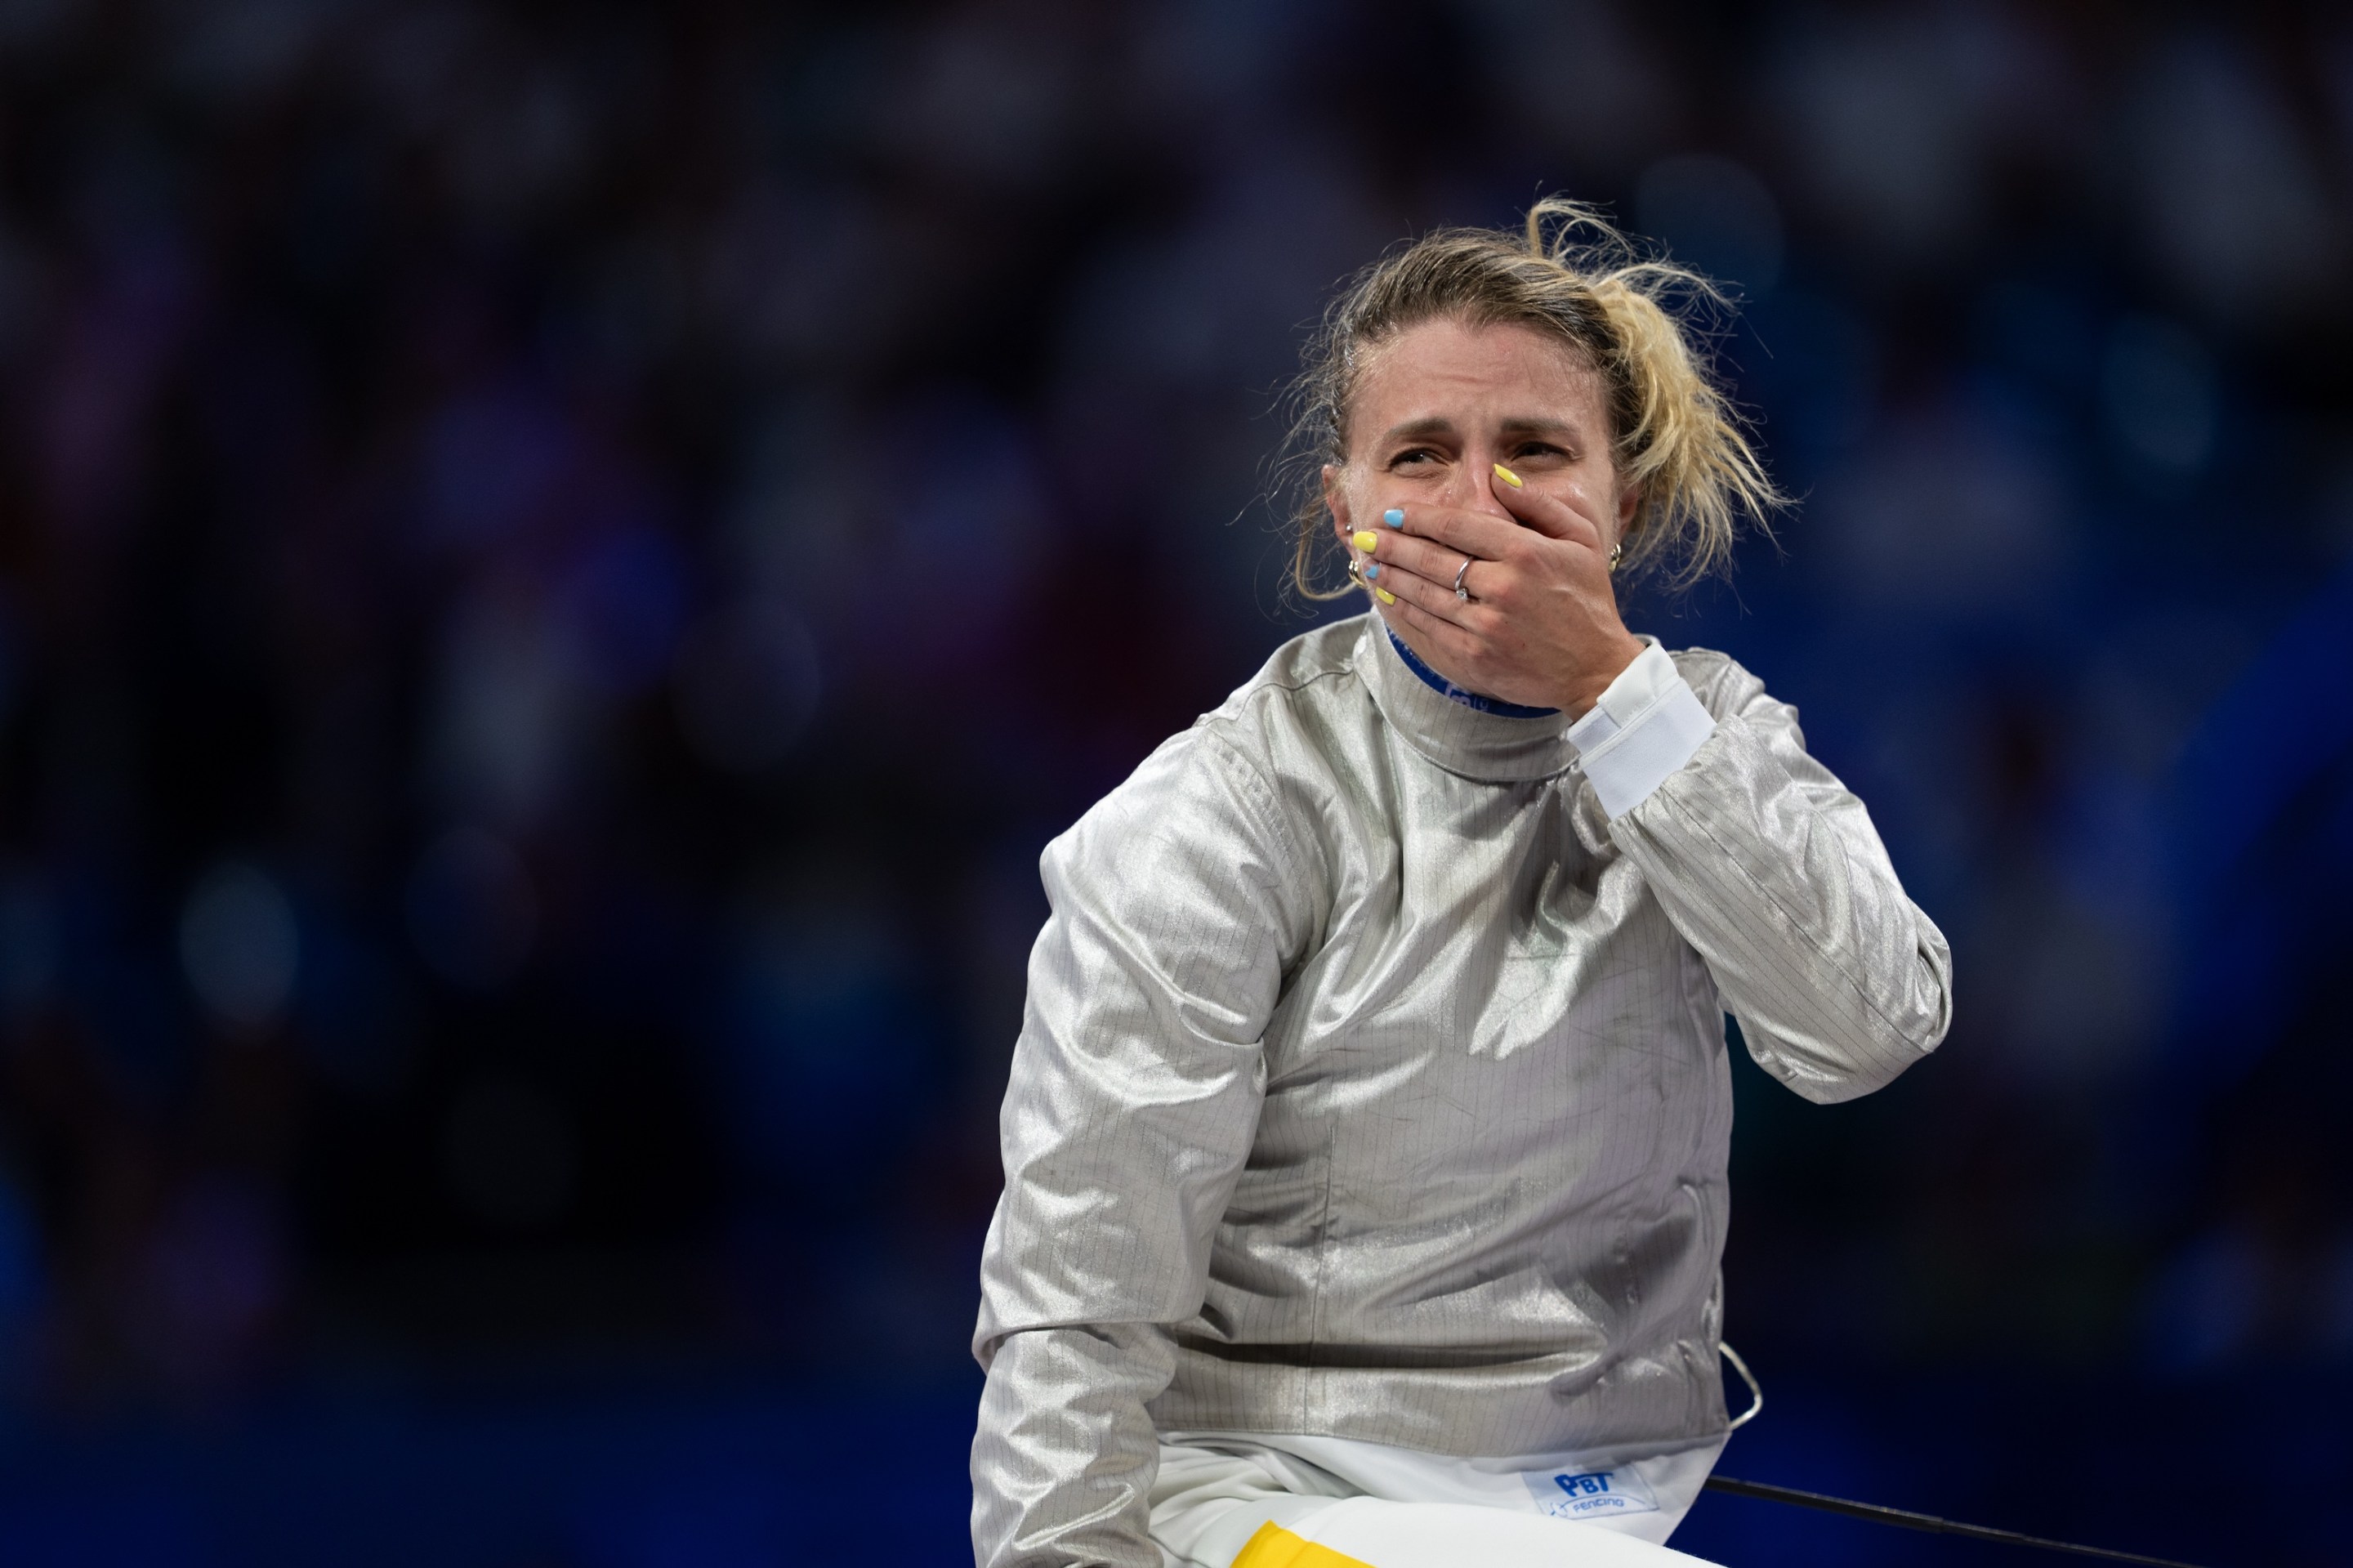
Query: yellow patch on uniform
{"points": [[1275, 1547]]}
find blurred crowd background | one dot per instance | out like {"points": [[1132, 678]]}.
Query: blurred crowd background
{"points": [[558, 564]]}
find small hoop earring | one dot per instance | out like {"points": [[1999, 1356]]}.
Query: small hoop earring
{"points": [[1617, 553], [1356, 568]]}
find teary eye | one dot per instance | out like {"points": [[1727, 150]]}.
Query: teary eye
{"points": [[1413, 455]]}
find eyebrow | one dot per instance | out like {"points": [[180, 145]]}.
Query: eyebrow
{"points": [[1436, 425]]}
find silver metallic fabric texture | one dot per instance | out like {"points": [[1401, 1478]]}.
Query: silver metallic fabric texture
{"points": [[1373, 1083]]}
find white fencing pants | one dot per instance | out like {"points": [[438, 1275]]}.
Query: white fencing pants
{"points": [[1217, 1510]]}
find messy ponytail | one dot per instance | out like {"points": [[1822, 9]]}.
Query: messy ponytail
{"points": [[1641, 322]]}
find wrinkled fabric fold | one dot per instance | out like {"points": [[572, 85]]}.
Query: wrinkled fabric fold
{"points": [[1372, 1083]]}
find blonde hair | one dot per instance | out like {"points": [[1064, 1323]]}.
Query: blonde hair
{"points": [[1636, 319]]}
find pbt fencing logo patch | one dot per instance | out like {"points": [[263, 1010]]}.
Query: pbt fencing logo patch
{"points": [[1590, 1494]]}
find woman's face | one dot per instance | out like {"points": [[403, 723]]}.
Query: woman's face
{"points": [[1442, 403]]}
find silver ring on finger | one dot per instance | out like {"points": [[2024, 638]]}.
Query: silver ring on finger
{"points": [[1459, 591]]}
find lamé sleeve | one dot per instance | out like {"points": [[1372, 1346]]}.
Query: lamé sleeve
{"points": [[1179, 904], [1771, 870]]}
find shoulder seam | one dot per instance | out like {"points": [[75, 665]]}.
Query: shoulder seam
{"points": [[1243, 697], [1267, 801]]}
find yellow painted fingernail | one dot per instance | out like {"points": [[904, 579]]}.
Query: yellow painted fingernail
{"points": [[1385, 596], [1367, 541], [1507, 476]]}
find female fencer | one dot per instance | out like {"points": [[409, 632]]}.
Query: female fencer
{"points": [[1366, 1141]]}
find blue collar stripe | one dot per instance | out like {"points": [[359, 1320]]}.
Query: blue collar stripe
{"points": [[1454, 693]]}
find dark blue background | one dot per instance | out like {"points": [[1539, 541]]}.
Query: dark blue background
{"points": [[559, 564]]}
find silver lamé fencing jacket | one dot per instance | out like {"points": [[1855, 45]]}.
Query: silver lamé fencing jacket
{"points": [[1373, 1079]]}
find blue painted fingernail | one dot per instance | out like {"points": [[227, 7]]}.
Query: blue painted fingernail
{"points": [[1394, 518], [1372, 568]]}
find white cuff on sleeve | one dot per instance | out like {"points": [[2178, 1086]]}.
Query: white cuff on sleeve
{"points": [[1647, 725]]}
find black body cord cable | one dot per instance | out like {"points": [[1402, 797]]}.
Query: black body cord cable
{"points": [[1905, 1519], [1902, 1519]]}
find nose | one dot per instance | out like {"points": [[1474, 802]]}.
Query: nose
{"points": [[1471, 489]]}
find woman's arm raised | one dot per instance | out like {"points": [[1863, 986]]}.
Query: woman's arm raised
{"points": [[1178, 906], [1771, 869], [1768, 866]]}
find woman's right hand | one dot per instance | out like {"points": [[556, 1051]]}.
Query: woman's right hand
{"points": [[1540, 626]]}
